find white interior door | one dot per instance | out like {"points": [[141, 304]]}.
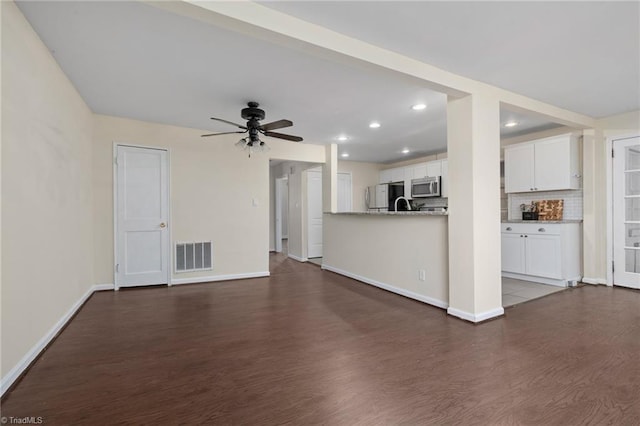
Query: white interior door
{"points": [[285, 207], [314, 213], [278, 216], [345, 193], [626, 212], [142, 210]]}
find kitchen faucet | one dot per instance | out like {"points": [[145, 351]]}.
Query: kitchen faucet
{"points": [[402, 198]]}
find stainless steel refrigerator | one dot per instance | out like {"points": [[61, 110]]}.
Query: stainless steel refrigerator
{"points": [[382, 197], [377, 197]]}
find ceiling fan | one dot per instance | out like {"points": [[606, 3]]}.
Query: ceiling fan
{"points": [[253, 115]]}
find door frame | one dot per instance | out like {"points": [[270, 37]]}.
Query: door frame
{"points": [[114, 156], [306, 219], [350, 174], [609, 170]]}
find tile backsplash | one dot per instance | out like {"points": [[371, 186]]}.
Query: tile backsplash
{"points": [[572, 202]]}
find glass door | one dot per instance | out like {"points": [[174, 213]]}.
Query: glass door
{"points": [[626, 212]]}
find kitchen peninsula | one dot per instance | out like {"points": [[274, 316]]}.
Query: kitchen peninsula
{"points": [[402, 252]]}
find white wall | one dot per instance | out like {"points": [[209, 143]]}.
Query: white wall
{"points": [[46, 191], [362, 176], [213, 189]]}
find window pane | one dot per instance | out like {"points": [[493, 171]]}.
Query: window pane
{"points": [[633, 157], [632, 180], [632, 261], [632, 235], [632, 209]]}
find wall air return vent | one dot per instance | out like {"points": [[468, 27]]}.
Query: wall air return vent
{"points": [[195, 256]]}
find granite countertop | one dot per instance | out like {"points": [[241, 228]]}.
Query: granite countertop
{"points": [[408, 213], [543, 221]]}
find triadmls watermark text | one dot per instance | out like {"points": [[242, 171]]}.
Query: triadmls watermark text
{"points": [[27, 420]]}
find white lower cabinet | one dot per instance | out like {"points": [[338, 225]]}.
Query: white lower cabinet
{"points": [[513, 253], [549, 253], [543, 254]]}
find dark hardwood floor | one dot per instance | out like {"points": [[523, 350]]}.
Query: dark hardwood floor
{"points": [[306, 346]]}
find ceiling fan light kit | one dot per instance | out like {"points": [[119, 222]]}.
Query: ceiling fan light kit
{"points": [[252, 142]]}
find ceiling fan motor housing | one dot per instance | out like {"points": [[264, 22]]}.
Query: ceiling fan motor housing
{"points": [[252, 112]]}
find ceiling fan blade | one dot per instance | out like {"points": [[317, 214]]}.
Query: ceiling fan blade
{"points": [[283, 136], [276, 125], [239, 126], [218, 134]]}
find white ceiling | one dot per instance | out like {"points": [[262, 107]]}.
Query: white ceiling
{"points": [[583, 56], [137, 61]]}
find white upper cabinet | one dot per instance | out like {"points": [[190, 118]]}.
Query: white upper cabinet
{"points": [[543, 165], [518, 168], [385, 176], [434, 168], [397, 174], [419, 171]]}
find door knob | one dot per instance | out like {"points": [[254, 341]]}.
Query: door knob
{"points": [[163, 225]]}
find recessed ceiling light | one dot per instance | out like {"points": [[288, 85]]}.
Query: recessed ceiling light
{"points": [[405, 151], [342, 138], [511, 124], [374, 125], [418, 107], [345, 154]]}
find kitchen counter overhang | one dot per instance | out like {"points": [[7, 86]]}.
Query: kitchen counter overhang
{"points": [[404, 213]]}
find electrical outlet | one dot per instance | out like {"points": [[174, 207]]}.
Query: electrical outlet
{"points": [[422, 275]]}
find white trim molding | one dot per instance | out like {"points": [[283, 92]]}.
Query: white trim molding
{"points": [[548, 281], [594, 280], [483, 316], [402, 292], [34, 352], [228, 277], [299, 259], [103, 287]]}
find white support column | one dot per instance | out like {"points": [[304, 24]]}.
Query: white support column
{"points": [[473, 137], [594, 178], [330, 179]]}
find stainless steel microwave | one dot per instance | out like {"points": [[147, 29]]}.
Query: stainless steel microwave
{"points": [[425, 187]]}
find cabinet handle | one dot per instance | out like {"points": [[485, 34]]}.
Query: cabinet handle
{"points": [[542, 230], [530, 189], [521, 236], [509, 228], [526, 236]]}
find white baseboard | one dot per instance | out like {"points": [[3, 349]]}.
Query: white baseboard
{"points": [[102, 287], [33, 353], [483, 316], [541, 280], [594, 280], [228, 277], [299, 259], [388, 287]]}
